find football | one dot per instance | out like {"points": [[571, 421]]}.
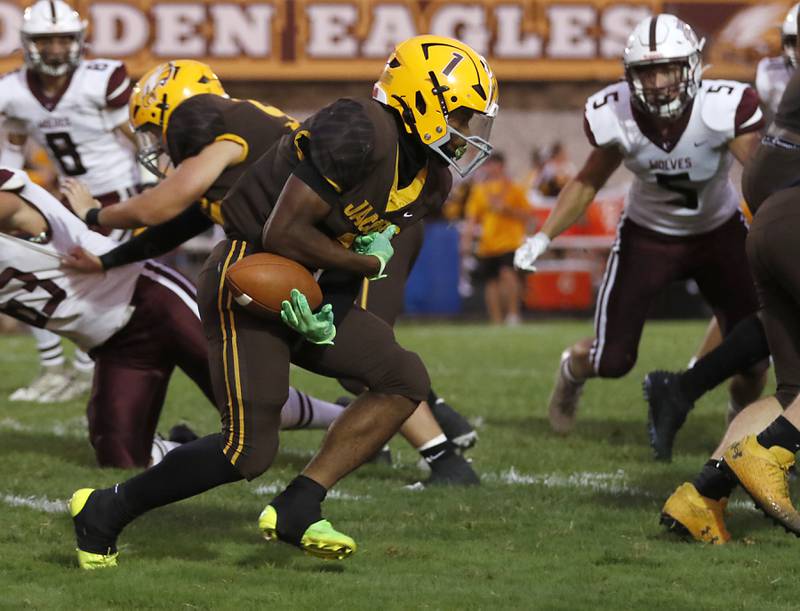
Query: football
{"points": [[260, 282]]}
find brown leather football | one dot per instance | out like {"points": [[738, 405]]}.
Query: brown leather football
{"points": [[260, 282]]}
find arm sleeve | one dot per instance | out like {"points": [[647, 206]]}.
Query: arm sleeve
{"points": [[159, 240], [336, 149]]}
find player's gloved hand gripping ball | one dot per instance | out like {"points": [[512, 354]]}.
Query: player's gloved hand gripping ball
{"points": [[316, 328], [377, 244]]}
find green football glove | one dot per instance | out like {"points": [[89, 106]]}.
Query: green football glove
{"points": [[316, 328], [378, 245]]}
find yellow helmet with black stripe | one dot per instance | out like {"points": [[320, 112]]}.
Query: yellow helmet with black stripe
{"points": [[446, 94], [156, 96]]}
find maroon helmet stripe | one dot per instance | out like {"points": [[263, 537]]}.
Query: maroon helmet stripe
{"points": [[653, 45]]}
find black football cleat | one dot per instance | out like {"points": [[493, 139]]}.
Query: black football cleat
{"points": [[667, 411], [455, 426], [453, 470]]}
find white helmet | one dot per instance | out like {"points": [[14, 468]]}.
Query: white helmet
{"points": [[660, 40], [789, 35], [51, 18]]}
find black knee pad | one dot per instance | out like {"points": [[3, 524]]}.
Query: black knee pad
{"points": [[402, 373]]}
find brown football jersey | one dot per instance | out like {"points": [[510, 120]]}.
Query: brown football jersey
{"points": [[356, 156], [207, 118]]}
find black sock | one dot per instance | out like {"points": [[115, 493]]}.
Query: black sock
{"points": [[438, 454], [298, 507], [714, 481], [432, 397], [780, 433], [186, 471], [742, 348]]}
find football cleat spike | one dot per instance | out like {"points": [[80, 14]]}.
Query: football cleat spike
{"points": [[320, 539], [764, 474], [88, 560], [688, 513]]}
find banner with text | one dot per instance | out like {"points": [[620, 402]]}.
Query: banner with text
{"points": [[349, 40]]}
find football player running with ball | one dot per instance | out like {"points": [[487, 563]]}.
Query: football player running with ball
{"points": [[329, 196], [76, 110], [675, 132], [180, 110]]}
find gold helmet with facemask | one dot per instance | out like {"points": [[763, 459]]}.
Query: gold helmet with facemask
{"points": [[446, 95], [156, 96]]}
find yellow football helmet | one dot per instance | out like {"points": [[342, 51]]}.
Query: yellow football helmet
{"points": [[156, 96], [446, 94]]}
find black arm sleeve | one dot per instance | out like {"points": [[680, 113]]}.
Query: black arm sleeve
{"points": [[159, 240]]}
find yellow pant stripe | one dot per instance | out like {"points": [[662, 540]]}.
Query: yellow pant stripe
{"points": [[220, 292], [364, 294], [237, 451]]}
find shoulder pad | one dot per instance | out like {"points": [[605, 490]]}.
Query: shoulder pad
{"points": [[606, 110], [719, 100], [12, 179], [96, 74]]}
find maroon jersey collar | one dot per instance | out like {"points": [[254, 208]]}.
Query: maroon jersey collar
{"points": [[35, 85], [664, 134]]}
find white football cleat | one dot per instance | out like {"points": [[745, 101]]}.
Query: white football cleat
{"points": [[77, 384], [49, 380]]}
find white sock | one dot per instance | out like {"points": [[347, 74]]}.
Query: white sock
{"points": [[302, 411], [568, 372], [82, 361], [51, 354], [433, 442]]}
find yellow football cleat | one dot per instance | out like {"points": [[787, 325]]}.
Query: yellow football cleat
{"points": [[687, 512], [88, 560], [763, 473], [320, 539]]}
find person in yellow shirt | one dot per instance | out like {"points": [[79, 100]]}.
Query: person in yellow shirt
{"points": [[497, 214]]}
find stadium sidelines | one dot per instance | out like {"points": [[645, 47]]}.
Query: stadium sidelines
{"points": [[594, 481]]}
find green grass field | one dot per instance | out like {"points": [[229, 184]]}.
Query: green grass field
{"points": [[557, 524]]}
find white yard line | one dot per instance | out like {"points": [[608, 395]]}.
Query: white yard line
{"points": [[278, 486], [74, 427], [39, 503], [613, 482]]}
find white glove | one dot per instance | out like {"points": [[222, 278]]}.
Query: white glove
{"points": [[531, 249]]}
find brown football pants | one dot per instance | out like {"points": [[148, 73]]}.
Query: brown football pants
{"points": [[249, 357]]}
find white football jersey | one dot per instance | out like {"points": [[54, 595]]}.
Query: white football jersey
{"points": [[772, 75], [77, 127], [86, 308], [685, 190]]}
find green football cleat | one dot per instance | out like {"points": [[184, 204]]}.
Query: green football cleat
{"points": [[320, 539], [88, 560]]}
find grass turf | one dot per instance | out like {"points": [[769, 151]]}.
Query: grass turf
{"points": [[559, 523]]}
